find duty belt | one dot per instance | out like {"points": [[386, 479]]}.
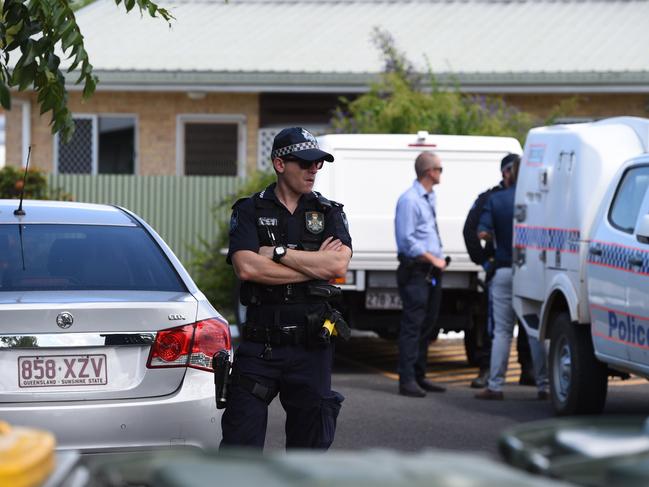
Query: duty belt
{"points": [[282, 335], [409, 262]]}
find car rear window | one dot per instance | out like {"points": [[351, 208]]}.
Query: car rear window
{"points": [[83, 257]]}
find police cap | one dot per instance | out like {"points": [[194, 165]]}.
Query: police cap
{"points": [[508, 161], [300, 143]]}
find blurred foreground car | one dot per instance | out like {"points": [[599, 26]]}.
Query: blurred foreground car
{"points": [[595, 452], [105, 340], [376, 468]]}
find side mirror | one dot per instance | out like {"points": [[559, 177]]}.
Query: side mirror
{"points": [[642, 230]]}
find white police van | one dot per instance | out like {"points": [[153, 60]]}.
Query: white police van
{"points": [[581, 254], [369, 173]]}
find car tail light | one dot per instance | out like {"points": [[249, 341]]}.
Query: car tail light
{"points": [[190, 345]]}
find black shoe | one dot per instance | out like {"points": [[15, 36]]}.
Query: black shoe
{"points": [[411, 389], [543, 395], [429, 386], [480, 382], [527, 378]]}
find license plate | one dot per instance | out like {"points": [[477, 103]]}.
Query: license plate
{"points": [[62, 370], [382, 300]]}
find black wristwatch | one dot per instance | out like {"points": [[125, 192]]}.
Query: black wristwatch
{"points": [[278, 253]]}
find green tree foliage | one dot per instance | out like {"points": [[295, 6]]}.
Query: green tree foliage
{"points": [[208, 267], [33, 30], [12, 181], [403, 102]]}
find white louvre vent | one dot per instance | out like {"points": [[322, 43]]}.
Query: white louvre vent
{"points": [[264, 147]]}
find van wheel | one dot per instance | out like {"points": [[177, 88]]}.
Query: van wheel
{"points": [[578, 381]]}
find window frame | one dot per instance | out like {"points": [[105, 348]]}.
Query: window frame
{"points": [[212, 118], [609, 215], [95, 141]]}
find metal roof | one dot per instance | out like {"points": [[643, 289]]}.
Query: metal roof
{"points": [[320, 45]]}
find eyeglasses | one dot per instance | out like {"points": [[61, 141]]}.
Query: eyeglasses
{"points": [[440, 169], [304, 164]]}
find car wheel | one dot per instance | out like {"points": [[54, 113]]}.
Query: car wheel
{"points": [[578, 381]]}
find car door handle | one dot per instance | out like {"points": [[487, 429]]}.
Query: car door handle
{"points": [[595, 251], [636, 261]]}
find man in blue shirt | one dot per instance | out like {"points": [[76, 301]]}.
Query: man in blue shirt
{"points": [[496, 224], [419, 274]]}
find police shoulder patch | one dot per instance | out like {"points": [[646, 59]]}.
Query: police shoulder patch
{"points": [[234, 220], [314, 222]]}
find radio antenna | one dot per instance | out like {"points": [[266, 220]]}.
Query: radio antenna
{"points": [[20, 211]]}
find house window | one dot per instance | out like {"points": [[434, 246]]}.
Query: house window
{"points": [[211, 145], [103, 144]]}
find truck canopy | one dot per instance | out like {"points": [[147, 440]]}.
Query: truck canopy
{"points": [[370, 171]]}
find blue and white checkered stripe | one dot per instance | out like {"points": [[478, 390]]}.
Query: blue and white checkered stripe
{"points": [[617, 256], [289, 149], [542, 238]]}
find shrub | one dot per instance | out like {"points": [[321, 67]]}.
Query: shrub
{"points": [[403, 102], [208, 266]]}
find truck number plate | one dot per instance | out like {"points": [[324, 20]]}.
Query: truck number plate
{"points": [[62, 370], [382, 300]]}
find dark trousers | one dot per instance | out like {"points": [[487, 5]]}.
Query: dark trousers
{"points": [[303, 380], [485, 333], [421, 300]]}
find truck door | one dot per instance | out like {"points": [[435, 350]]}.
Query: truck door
{"points": [[637, 288], [618, 265]]}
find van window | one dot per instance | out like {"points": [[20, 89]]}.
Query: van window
{"points": [[628, 198], [48, 257]]}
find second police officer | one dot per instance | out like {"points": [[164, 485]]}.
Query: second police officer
{"points": [[286, 243]]}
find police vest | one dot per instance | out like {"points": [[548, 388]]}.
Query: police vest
{"points": [[272, 230]]}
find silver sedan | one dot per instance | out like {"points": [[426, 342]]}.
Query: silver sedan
{"points": [[105, 340]]}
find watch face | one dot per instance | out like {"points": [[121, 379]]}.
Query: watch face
{"points": [[278, 253]]}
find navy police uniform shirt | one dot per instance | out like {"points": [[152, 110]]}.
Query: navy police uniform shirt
{"points": [[243, 225]]}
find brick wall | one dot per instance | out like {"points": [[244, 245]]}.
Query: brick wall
{"points": [[589, 105], [156, 122]]}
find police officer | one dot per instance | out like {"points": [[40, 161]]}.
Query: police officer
{"points": [[286, 243], [484, 255], [496, 225]]}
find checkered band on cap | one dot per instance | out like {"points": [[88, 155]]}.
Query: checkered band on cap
{"points": [[289, 149]]}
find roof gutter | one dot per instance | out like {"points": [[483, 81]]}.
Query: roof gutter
{"points": [[284, 82]]}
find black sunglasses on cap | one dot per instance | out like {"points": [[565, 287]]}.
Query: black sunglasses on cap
{"points": [[304, 164]]}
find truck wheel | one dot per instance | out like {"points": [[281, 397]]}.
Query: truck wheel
{"points": [[578, 381]]}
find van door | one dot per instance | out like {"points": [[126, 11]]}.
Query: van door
{"points": [[617, 268]]}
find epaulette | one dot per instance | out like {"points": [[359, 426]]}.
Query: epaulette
{"points": [[238, 202], [322, 200]]}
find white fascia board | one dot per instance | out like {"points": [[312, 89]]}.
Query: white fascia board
{"points": [[496, 83]]}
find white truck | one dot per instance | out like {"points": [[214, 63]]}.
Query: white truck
{"points": [[369, 173], [581, 254]]}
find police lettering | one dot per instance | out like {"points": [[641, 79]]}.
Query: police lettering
{"points": [[626, 329]]}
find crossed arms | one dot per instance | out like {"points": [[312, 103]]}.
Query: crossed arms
{"points": [[329, 261]]}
